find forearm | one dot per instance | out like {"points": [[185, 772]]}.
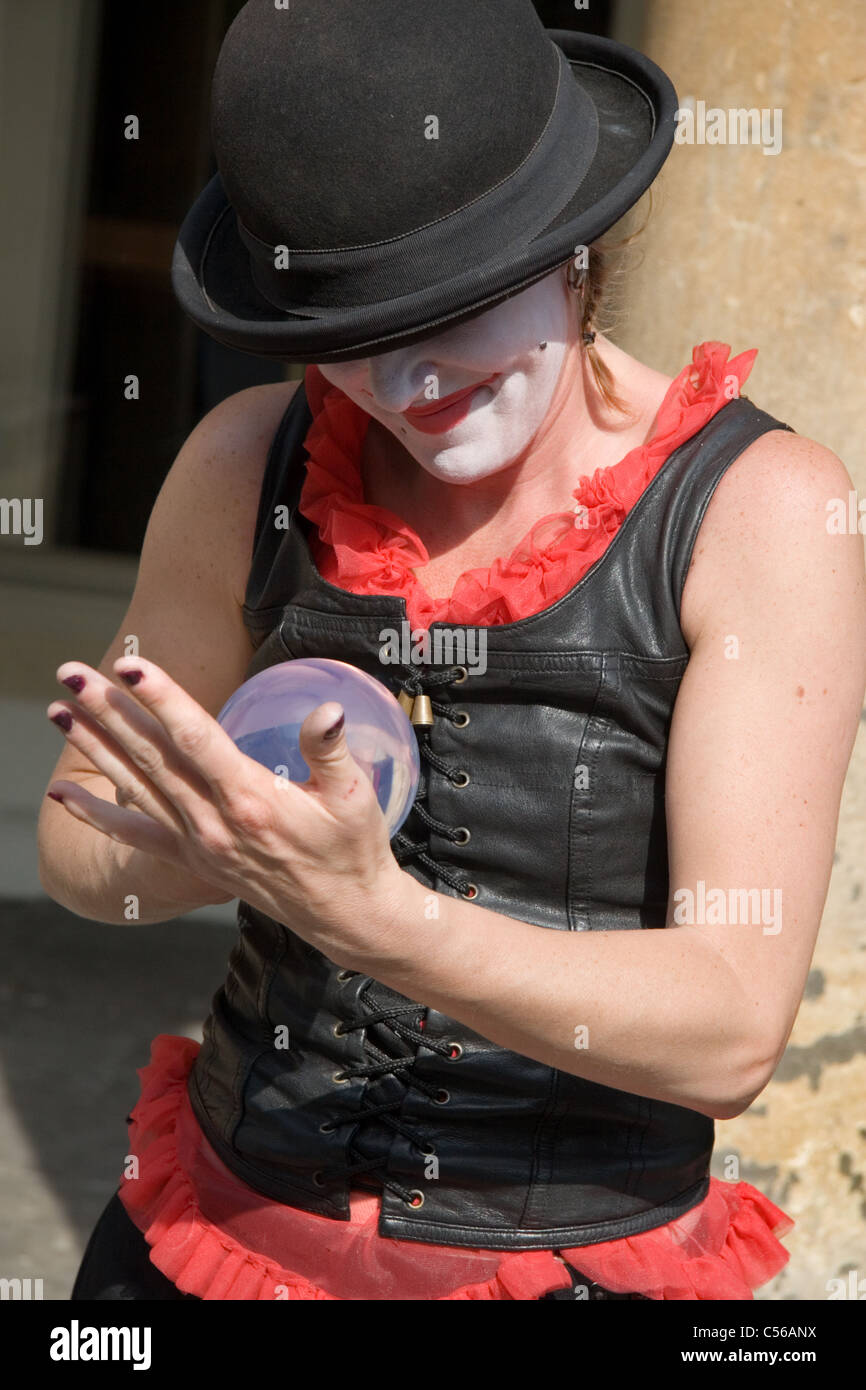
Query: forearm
{"points": [[658, 1012], [97, 877]]}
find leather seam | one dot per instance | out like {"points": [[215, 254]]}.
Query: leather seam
{"points": [[563, 1235], [241, 1165], [274, 476], [637, 1134], [543, 1123], [266, 983], [576, 907]]}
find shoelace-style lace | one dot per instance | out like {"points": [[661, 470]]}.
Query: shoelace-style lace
{"points": [[417, 683]]}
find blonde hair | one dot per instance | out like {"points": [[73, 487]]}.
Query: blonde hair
{"points": [[605, 268]]}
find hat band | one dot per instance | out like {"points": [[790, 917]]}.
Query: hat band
{"points": [[496, 225]]}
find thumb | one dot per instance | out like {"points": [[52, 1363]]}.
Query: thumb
{"points": [[322, 741]]}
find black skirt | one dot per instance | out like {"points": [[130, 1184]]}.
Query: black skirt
{"points": [[116, 1263]]}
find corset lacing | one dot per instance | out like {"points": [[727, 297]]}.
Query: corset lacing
{"points": [[418, 683], [394, 1066], [404, 849]]}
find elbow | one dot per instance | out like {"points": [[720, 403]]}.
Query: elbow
{"points": [[53, 857], [730, 1109], [52, 881], [48, 880], [739, 1087], [43, 870], [51, 888]]}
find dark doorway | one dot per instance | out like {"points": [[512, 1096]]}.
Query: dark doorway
{"points": [[156, 69], [118, 448]]}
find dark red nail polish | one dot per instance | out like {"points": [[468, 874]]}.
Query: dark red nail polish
{"points": [[63, 719], [335, 728], [56, 796], [76, 683], [131, 677]]}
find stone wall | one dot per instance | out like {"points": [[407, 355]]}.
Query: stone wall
{"points": [[768, 251]]}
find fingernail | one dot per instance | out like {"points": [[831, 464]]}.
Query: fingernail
{"points": [[131, 677], [64, 719], [56, 796], [335, 728], [76, 683]]}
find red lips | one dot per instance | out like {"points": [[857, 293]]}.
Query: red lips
{"points": [[444, 401], [444, 414]]}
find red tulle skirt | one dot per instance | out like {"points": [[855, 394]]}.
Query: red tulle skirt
{"points": [[217, 1238]]}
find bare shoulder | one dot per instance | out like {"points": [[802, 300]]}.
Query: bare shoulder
{"points": [[246, 417], [217, 475], [186, 609], [777, 525]]}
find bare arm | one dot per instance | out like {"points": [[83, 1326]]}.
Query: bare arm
{"points": [[699, 1015], [186, 615]]}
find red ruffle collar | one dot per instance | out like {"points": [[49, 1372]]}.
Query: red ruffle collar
{"points": [[369, 550]]}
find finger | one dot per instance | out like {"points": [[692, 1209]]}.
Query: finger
{"points": [[194, 732], [128, 827], [142, 739], [132, 787], [333, 770]]}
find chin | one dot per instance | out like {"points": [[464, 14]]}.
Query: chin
{"points": [[461, 463]]}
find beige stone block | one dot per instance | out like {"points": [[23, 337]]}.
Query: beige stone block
{"points": [[768, 251]]}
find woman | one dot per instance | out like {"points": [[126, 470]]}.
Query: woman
{"points": [[661, 720]]}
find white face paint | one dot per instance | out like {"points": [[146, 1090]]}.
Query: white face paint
{"points": [[501, 418]]}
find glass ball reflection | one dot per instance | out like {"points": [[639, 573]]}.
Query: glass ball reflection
{"points": [[265, 714]]}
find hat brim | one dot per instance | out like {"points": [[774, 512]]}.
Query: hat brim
{"points": [[636, 105]]}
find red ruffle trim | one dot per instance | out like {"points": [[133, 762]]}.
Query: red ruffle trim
{"points": [[369, 550], [722, 1249]]}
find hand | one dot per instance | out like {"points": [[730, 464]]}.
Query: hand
{"points": [[315, 856]]}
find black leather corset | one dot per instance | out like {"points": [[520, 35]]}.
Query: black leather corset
{"points": [[553, 760]]}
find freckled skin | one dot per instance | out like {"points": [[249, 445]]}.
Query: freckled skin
{"points": [[800, 692]]}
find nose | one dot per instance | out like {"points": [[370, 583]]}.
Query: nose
{"points": [[396, 379]]}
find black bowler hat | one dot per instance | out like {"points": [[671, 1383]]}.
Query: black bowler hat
{"points": [[390, 167]]}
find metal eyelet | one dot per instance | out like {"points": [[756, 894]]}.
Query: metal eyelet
{"points": [[339, 1079], [458, 680], [327, 1128], [338, 1030], [464, 779], [442, 1097], [427, 1149], [470, 891], [456, 1051], [461, 719], [419, 1196], [346, 975], [318, 1179], [461, 835]]}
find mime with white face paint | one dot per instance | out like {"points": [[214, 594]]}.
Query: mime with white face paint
{"points": [[482, 1059]]}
